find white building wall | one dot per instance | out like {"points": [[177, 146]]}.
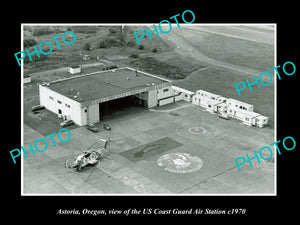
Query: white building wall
{"points": [[93, 114], [196, 100], [207, 94], [166, 101], [26, 80], [204, 102], [84, 115], [74, 70], [187, 97], [179, 97], [182, 94], [238, 105], [261, 121], [152, 98], [164, 92], [54, 101]]}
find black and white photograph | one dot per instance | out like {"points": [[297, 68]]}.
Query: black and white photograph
{"points": [[148, 112], [138, 112]]}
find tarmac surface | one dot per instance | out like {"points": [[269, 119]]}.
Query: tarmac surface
{"points": [[181, 149], [177, 149]]}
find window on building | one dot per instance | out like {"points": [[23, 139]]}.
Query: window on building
{"points": [[165, 90], [185, 96], [51, 97], [58, 101], [67, 105], [241, 107], [85, 110]]}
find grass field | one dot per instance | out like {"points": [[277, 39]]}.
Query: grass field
{"points": [[259, 56]]}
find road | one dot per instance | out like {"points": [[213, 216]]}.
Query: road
{"points": [[183, 47], [262, 34]]}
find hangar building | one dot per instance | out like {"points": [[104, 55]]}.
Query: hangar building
{"points": [[82, 98]]}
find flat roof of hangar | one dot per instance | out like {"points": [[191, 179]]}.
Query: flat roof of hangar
{"points": [[104, 84]]}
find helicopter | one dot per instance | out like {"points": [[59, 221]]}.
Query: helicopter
{"points": [[90, 157]]}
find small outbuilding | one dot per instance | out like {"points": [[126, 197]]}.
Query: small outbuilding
{"points": [[26, 79], [86, 57], [74, 69]]}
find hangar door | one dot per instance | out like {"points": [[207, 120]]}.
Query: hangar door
{"points": [[93, 114]]}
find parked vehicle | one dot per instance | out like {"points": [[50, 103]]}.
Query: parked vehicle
{"points": [[37, 107], [106, 127], [92, 128], [66, 123], [224, 115]]}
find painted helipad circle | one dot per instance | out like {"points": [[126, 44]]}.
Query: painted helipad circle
{"points": [[197, 130], [180, 162]]}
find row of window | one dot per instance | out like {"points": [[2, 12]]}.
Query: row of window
{"points": [[164, 90], [241, 107], [59, 102]]}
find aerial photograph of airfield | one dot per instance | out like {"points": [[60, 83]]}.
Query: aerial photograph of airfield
{"points": [[162, 117]]}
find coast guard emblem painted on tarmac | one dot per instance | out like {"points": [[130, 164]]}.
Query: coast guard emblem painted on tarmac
{"points": [[180, 162]]}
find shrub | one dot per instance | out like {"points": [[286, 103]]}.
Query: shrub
{"points": [[113, 67], [84, 29], [86, 47], [152, 65], [109, 42], [41, 31], [141, 47], [113, 42], [154, 50], [111, 31], [134, 55], [130, 43], [102, 44], [29, 42]]}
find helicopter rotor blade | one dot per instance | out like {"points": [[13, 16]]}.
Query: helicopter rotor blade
{"points": [[91, 146]]}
